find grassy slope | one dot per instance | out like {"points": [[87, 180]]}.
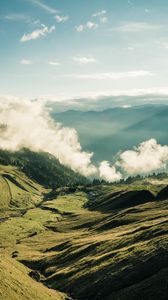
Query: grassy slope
{"points": [[15, 284], [17, 190], [96, 250]]}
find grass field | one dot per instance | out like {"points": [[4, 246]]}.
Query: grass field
{"points": [[100, 242], [17, 190]]}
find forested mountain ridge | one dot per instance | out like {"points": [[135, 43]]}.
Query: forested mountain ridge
{"points": [[42, 167]]}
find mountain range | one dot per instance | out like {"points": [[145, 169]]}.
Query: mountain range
{"points": [[107, 132]]}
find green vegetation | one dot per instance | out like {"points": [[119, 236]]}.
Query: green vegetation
{"points": [[17, 190], [16, 284], [42, 167], [68, 203], [87, 241]]}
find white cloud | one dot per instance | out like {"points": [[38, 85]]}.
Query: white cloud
{"points": [[159, 92], [103, 20], [61, 19], [148, 157], [89, 25], [30, 125], [125, 106], [109, 173], [84, 60], [45, 7], [37, 33], [136, 26], [54, 63], [80, 28], [98, 98], [99, 13], [113, 76], [26, 62]]}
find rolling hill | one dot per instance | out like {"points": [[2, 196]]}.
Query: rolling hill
{"points": [[82, 243], [17, 190]]}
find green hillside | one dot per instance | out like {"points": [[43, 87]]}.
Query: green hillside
{"points": [[17, 190], [16, 284], [86, 242]]}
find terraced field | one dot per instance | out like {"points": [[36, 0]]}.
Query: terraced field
{"points": [[103, 242]]}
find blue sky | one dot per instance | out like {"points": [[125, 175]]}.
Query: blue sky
{"points": [[63, 49]]}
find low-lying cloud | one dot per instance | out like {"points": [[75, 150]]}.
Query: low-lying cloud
{"points": [[145, 159], [109, 173], [148, 157], [28, 124]]}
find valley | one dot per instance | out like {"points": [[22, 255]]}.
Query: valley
{"points": [[82, 242], [121, 128]]}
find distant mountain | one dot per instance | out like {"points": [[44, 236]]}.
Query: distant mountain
{"points": [[103, 102], [41, 167], [109, 131]]}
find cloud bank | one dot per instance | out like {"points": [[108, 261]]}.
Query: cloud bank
{"points": [[113, 76], [29, 125]]}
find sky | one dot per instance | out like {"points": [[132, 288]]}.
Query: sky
{"points": [[59, 49]]}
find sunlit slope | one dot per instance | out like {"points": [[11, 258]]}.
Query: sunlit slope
{"points": [[16, 284], [17, 190], [25, 175]]}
